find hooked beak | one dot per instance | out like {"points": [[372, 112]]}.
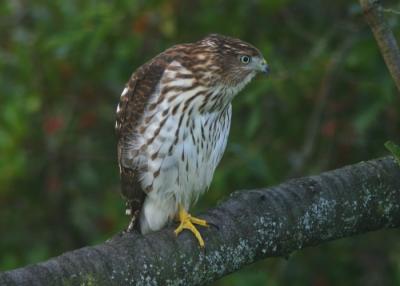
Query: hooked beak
{"points": [[264, 67]]}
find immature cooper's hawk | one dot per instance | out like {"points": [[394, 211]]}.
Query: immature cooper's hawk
{"points": [[173, 122]]}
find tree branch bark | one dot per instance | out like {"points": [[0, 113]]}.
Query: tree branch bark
{"points": [[373, 13], [252, 225]]}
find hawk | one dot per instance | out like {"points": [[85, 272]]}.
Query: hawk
{"points": [[172, 124]]}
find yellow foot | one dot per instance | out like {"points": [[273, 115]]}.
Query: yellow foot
{"points": [[187, 222]]}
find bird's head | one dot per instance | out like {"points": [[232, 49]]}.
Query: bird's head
{"points": [[236, 61]]}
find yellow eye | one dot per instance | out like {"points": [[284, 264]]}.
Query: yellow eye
{"points": [[245, 59]]}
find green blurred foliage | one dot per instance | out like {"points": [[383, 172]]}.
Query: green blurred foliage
{"points": [[328, 102], [394, 149]]}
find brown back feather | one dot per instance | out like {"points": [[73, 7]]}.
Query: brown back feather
{"points": [[141, 86]]}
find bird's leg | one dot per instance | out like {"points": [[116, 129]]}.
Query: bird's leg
{"points": [[134, 216], [187, 222]]}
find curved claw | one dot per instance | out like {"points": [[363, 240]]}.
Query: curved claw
{"points": [[187, 222]]}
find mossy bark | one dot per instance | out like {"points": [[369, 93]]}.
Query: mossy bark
{"points": [[251, 225]]}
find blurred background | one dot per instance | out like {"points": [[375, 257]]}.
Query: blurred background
{"points": [[328, 102]]}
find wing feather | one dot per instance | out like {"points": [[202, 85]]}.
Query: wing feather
{"points": [[132, 105]]}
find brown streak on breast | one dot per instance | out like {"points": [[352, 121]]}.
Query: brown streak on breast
{"points": [[175, 109], [151, 140], [165, 112], [177, 130], [184, 75], [187, 102], [152, 106], [177, 89], [154, 156], [172, 98]]}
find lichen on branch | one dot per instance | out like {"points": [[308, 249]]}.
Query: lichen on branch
{"points": [[249, 226]]}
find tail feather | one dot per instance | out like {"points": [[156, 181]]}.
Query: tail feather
{"points": [[134, 196]]}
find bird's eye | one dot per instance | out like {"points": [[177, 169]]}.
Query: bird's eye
{"points": [[245, 59]]}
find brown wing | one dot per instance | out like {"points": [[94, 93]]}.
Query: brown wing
{"points": [[133, 102]]}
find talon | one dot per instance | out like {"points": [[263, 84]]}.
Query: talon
{"points": [[213, 224], [187, 222], [198, 221]]}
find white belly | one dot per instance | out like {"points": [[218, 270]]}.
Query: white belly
{"points": [[184, 168]]}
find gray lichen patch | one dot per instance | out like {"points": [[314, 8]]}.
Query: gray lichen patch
{"points": [[230, 257], [389, 205], [84, 279], [268, 231], [343, 202], [316, 216]]}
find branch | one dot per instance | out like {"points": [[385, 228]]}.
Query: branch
{"points": [[373, 13], [252, 225]]}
